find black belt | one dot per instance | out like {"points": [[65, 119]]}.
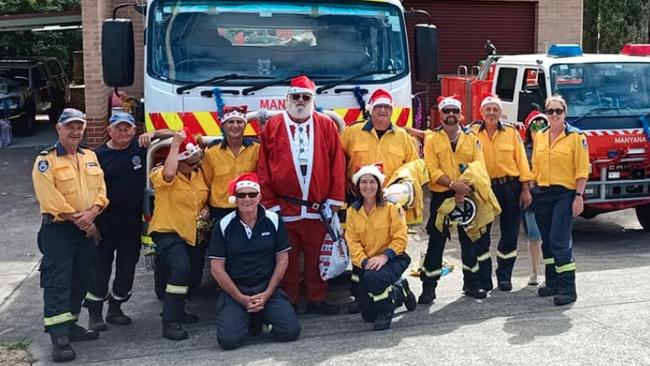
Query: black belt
{"points": [[300, 202], [503, 180], [48, 219]]}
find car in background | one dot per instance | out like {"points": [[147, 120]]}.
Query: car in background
{"points": [[31, 86]]}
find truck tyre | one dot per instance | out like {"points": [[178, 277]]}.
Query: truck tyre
{"points": [[24, 126], [643, 214]]}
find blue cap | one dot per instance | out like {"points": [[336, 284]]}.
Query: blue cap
{"points": [[70, 115], [122, 117]]}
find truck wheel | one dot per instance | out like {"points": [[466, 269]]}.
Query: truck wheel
{"points": [[24, 126], [160, 279], [643, 214]]}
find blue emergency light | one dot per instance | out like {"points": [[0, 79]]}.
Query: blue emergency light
{"points": [[564, 50]]}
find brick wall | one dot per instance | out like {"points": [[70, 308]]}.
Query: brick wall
{"points": [[558, 21]]}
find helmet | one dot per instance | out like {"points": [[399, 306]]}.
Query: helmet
{"points": [[464, 213], [401, 193]]}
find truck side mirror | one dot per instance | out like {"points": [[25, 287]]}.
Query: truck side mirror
{"points": [[117, 52], [530, 98], [426, 53]]}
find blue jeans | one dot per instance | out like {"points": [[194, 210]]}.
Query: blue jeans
{"points": [[554, 216], [530, 224]]}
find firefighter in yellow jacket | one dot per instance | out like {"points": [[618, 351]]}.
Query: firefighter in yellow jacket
{"points": [[560, 169], [507, 165], [181, 197], [376, 236], [447, 152], [377, 141], [69, 186]]}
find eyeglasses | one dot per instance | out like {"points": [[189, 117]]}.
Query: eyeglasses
{"points": [[249, 195], [492, 109], [450, 110], [557, 111], [297, 97], [537, 125]]}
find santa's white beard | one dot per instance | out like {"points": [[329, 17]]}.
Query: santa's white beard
{"points": [[299, 112]]}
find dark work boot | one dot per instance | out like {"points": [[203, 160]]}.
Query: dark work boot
{"points": [[428, 293], [188, 318], [174, 331], [505, 286], [476, 293], [545, 291], [81, 334], [382, 322], [566, 288], [61, 349], [322, 308], [115, 314], [95, 319], [353, 307], [409, 298]]}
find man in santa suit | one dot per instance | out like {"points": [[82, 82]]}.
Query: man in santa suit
{"points": [[301, 167]]}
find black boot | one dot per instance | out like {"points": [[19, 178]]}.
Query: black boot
{"points": [[95, 319], [382, 322], [81, 334], [188, 318], [174, 331], [546, 291], [322, 308], [550, 287], [61, 349], [566, 288], [505, 286], [115, 314], [428, 293], [476, 293], [409, 298], [353, 307]]}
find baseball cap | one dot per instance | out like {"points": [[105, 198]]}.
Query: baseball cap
{"points": [[70, 115], [122, 117]]}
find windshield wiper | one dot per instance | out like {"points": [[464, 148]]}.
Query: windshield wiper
{"points": [[217, 80], [353, 77], [265, 85], [598, 109]]}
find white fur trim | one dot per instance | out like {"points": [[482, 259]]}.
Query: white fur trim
{"points": [[380, 101], [491, 100], [296, 90], [235, 114], [190, 149], [369, 169], [449, 102], [247, 184], [232, 200]]}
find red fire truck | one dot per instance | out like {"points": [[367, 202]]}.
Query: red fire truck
{"points": [[608, 97]]}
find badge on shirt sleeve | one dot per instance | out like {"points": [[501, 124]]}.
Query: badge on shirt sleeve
{"points": [[43, 166], [137, 162], [584, 144]]}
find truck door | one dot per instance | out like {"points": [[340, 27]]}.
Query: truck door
{"points": [[532, 92], [507, 80]]}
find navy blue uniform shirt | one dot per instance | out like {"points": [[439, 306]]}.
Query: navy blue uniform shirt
{"points": [[249, 262], [125, 174]]}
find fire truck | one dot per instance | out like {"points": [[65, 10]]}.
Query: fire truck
{"points": [[608, 97], [203, 54]]}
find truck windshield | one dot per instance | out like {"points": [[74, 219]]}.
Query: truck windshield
{"points": [[190, 40], [603, 88]]}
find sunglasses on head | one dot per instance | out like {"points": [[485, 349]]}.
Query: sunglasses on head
{"points": [[557, 111], [450, 110], [246, 194], [297, 97]]}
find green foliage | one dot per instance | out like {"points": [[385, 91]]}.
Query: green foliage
{"points": [[610, 24], [38, 6]]}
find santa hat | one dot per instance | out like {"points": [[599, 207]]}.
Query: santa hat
{"points": [[375, 170], [533, 116], [451, 101], [301, 84], [379, 97], [246, 180], [235, 112], [189, 147], [490, 99]]}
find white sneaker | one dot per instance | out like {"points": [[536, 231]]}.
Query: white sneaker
{"points": [[532, 280]]}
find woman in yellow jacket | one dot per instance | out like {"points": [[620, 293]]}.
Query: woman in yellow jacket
{"points": [[181, 196], [376, 234], [560, 170]]}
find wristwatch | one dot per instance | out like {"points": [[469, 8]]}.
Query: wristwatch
{"points": [[578, 194]]}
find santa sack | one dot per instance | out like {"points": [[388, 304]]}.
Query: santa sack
{"points": [[334, 257]]}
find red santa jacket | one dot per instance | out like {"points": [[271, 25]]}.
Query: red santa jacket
{"points": [[279, 171]]}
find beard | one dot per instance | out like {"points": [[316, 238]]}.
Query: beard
{"points": [[450, 120], [299, 112]]}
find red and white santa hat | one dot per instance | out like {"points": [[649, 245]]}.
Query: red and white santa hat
{"points": [[301, 84], [451, 101], [375, 170], [379, 97], [246, 180], [235, 112], [189, 147], [490, 99]]}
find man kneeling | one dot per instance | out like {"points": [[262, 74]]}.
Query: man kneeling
{"points": [[248, 252]]}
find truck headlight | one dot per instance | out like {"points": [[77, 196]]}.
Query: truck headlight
{"points": [[9, 103]]}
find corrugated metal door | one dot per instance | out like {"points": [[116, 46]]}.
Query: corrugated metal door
{"points": [[464, 27]]}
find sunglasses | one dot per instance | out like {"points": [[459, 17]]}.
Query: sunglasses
{"points": [[450, 110], [244, 195], [557, 111], [297, 97], [537, 125]]}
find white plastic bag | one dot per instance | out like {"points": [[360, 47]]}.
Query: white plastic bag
{"points": [[334, 257]]}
